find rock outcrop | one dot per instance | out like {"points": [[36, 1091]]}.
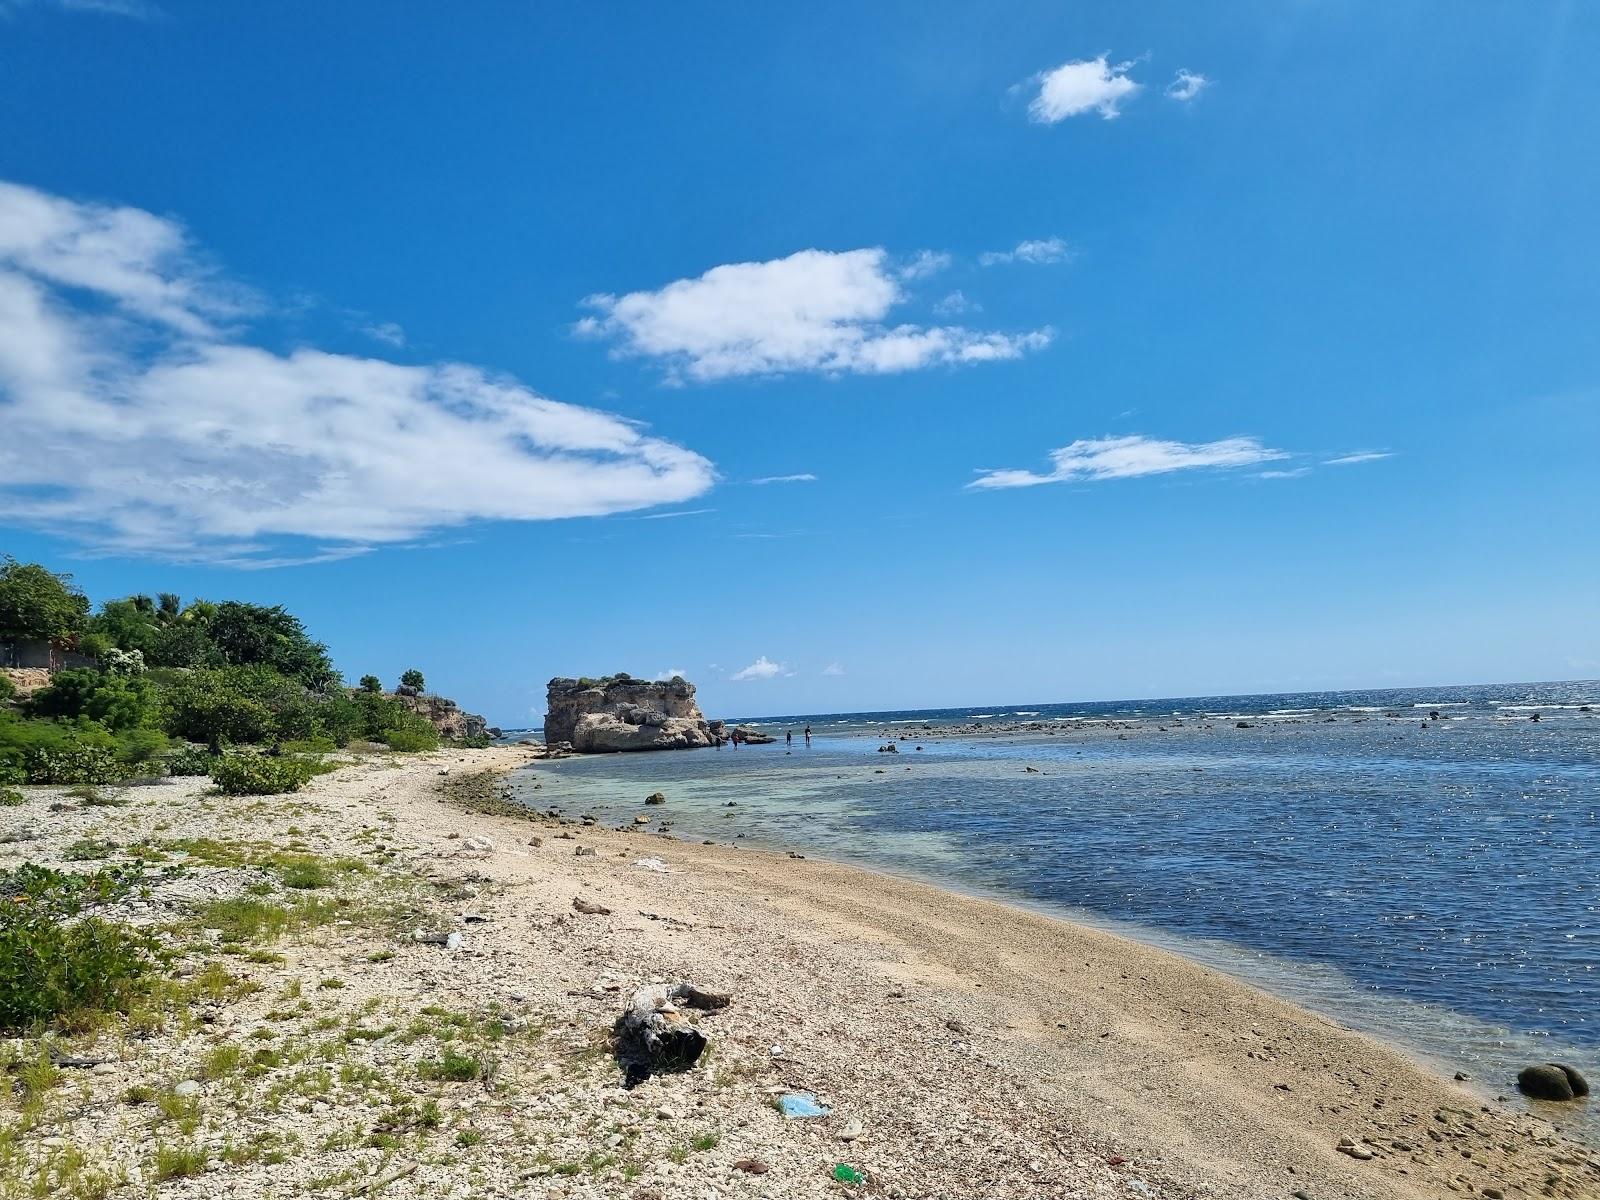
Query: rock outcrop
{"points": [[618, 712], [444, 715]]}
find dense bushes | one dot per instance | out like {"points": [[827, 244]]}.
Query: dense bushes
{"points": [[228, 674], [258, 775], [57, 963]]}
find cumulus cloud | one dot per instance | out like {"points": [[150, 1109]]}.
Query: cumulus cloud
{"points": [[762, 668], [139, 417], [1130, 457], [1186, 85], [1358, 456], [1043, 250], [816, 310], [803, 477], [1073, 88]]}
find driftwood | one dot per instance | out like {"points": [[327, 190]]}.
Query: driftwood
{"points": [[590, 908], [653, 1035]]}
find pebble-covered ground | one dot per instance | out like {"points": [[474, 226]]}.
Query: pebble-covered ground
{"points": [[310, 1043]]}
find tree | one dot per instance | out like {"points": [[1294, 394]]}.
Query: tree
{"points": [[371, 683], [38, 605], [412, 679], [251, 634]]}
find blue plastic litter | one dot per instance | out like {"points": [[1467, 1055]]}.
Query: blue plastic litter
{"points": [[797, 1105]]}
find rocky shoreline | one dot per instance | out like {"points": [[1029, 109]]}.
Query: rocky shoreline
{"points": [[430, 1015]]}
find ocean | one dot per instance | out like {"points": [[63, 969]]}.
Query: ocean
{"points": [[1419, 864]]}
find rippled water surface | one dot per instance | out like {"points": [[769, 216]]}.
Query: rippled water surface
{"points": [[1434, 880]]}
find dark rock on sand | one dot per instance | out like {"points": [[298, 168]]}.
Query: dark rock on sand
{"points": [[1552, 1081]]}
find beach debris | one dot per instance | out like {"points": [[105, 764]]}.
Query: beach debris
{"points": [[751, 1166], [1552, 1081], [584, 852], [845, 1173], [653, 1035], [653, 864], [852, 1130], [1354, 1149], [641, 819], [590, 908], [479, 843], [189, 1087], [655, 798], [801, 1106], [450, 941]]}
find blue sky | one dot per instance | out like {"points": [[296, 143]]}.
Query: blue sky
{"points": [[468, 332]]}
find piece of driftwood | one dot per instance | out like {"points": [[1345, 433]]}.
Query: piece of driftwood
{"points": [[652, 1034], [590, 908]]}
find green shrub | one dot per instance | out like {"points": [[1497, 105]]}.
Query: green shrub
{"points": [[192, 760], [56, 963], [257, 775], [81, 763], [7, 688], [9, 797], [114, 701], [451, 1065], [411, 739], [319, 744]]}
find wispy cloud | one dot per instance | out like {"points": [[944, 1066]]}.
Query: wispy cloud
{"points": [[669, 673], [140, 418], [956, 303], [1291, 473], [138, 10], [680, 512], [925, 263], [762, 668], [1357, 456], [1044, 250], [1130, 457], [387, 332], [803, 477], [833, 669], [1083, 86], [1186, 85], [814, 311]]}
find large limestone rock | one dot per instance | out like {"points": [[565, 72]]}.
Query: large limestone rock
{"points": [[619, 712], [446, 715]]}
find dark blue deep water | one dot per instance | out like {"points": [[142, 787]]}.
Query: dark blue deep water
{"points": [[1434, 880]]}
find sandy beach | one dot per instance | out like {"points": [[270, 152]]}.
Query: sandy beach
{"points": [[965, 1047]]}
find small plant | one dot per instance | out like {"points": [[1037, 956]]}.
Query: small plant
{"points": [[89, 849], [57, 964], [138, 1093], [702, 1142], [179, 1162], [468, 1138], [10, 797], [452, 1066]]}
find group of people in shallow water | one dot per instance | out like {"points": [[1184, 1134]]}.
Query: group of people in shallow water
{"points": [[738, 736]]}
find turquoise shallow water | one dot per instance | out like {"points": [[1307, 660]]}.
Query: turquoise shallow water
{"points": [[1430, 880]]}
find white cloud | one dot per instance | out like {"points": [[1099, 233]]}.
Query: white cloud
{"points": [[1186, 85], [925, 263], [1129, 457], [137, 9], [1092, 85], [670, 673], [816, 310], [1292, 473], [955, 304], [762, 668], [803, 477], [833, 669], [679, 512], [1043, 250], [1359, 456], [387, 332], [139, 419]]}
